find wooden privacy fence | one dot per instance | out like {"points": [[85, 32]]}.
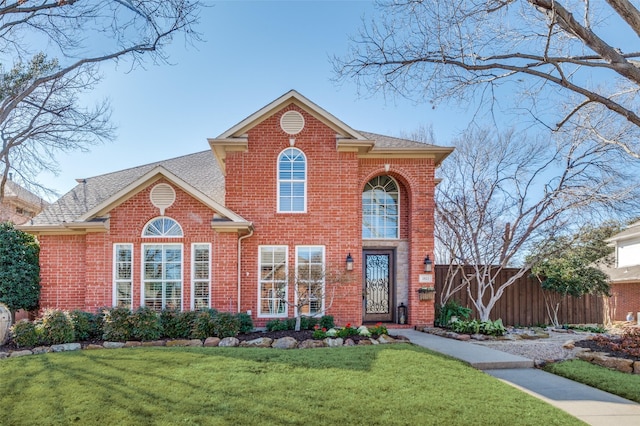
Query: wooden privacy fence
{"points": [[523, 302]]}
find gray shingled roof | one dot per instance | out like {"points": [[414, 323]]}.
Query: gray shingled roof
{"points": [[200, 170], [632, 230], [383, 141], [13, 190]]}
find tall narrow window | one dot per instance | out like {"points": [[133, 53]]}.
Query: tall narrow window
{"points": [[292, 181], [310, 280], [380, 208], [162, 276], [273, 281], [201, 276], [122, 275]]}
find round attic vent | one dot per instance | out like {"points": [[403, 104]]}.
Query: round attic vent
{"points": [[292, 122], [162, 196]]}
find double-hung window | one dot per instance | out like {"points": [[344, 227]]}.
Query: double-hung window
{"points": [[200, 276], [310, 279], [122, 275], [162, 276], [292, 181], [273, 281]]}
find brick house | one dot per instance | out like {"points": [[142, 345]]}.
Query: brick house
{"points": [[19, 205], [624, 273], [289, 203]]}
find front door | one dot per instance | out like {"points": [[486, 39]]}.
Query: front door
{"points": [[378, 285]]}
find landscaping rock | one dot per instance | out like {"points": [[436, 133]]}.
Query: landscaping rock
{"points": [[636, 367], [569, 344], [15, 354], [261, 342], [366, 342], [229, 342], [113, 345], [177, 343], [66, 347], [586, 355], [310, 343], [195, 343], [132, 344], [332, 343], [386, 339], [212, 342], [479, 337], [620, 364], [91, 346], [4, 355], [349, 342], [464, 337], [41, 350], [154, 343], [285, 343], [374, 342]]}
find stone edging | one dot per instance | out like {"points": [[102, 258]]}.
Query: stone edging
{"points": [[262, 342], [602, 359]]}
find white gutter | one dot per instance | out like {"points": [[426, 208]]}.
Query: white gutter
{"points": [[239, 262]]}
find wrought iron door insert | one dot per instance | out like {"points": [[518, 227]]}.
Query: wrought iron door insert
{"points": [[378, 285]]}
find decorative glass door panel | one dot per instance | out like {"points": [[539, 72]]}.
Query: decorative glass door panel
{"points": [[378, 285]]}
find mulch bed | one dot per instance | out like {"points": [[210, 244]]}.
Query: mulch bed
{"points": [[597, 347]]}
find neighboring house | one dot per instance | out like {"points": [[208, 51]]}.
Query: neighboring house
{"points": [[19, 205], [624, 274], [290, 190]]}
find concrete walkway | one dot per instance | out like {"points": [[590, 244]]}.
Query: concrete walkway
{"points": [[588, 404]]}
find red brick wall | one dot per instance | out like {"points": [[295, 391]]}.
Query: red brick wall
{"points": [[77, 270], [625, 299], [333, 219]]}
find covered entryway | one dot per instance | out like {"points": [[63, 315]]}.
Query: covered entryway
{"points": [[378, 285]]}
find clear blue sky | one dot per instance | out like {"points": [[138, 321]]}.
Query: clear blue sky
{"points": [[253, 52]]}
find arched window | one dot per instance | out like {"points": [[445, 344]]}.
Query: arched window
{"points": [[380, 208], [292, 181], [162, 227]]}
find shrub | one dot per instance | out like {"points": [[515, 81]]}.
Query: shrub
{"points": [[347, 331], [327, 322], [116, 324], [86, 325], [203, 325], [278, 325], [492, 328], [378, 329], [451, 309], [145, 324], [57, 327], [25, 334], [246, 323], [177, 324], [226, 324]]}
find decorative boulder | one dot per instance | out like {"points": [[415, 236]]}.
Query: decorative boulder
{"points": [[332, 343], [212, 342], [285, 343], [113, 345], [229, 342], [260, 342], [310, 343]]}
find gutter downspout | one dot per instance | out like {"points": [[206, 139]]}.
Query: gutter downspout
{"points": [[239, 262]]}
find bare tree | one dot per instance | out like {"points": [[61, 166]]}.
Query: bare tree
{"points": [[571, 64], [504, 193], [41, 112]]}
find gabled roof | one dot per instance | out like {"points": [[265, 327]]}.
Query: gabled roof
{"points": [[347, 138], [13, 191], [198, 174]]}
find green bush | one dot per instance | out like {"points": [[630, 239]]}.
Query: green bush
{"points": [[86, 325], [226, 324], [451, 309], [145, 324], [116, 324], [57, 327], [177, 324], [491, 328], [204, 324], [278, 325], [246, 323], [25, 334], [327, 322]]}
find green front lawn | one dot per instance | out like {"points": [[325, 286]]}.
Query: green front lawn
{"points": [[615, 382], [374, 385]]}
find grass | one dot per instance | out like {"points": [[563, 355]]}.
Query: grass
{"points": [[612, 381], [375, 385]]}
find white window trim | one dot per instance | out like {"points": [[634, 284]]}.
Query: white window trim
{"points": [[324, 281], [115, 280], [193, 274], [142, 280], [397, 237], [306, 178], [286, 287], [162, 236]]}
